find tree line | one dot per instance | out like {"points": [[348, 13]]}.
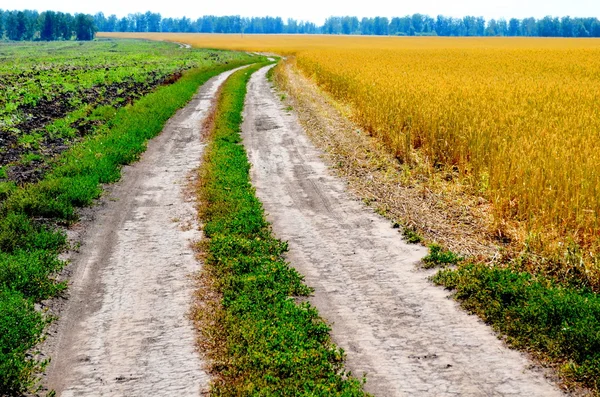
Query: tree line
{"points": [[50, 25], [153, 22], [410, 25], [424, 25], [46, 26]]}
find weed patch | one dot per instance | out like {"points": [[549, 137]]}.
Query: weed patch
{"points": [[438, 256], [262, 342], [536, 314], [411, 236]]}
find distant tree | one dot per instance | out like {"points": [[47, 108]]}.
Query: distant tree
{"points": [[514, 27], [393, 29], [273, 25], [492, 28], [480, 26], [138, 22], [278, 25], [405, 26], [236, 24], [501, 27], [567, 27], [111, 23], [15, 25], [84, 27], [64, 26], [380, 26], [253, 25], [442, 25], [418, 23], [307, 28], [222, 25], [457, 27], [549, 27], [579, 29], [197, 25], [428, 25], [366, 26], [32, 25], [588, 23], [2, 14], [470, 24], [595, 28], [350, 25], [185, 25], [167, 25], [291, 26], [49, 29], [50, 25], [529, 27], [100, 22], [153, 21], [207, 25], [123, 25], [332, 25]]}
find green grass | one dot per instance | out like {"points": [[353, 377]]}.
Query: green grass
{"points": [[440, 257], [29, 248], [411, 236], [560, 324], [264, 343]]}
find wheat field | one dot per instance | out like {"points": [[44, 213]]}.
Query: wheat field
{"points": [[518, 119]]}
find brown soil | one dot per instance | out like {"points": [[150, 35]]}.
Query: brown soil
{"points": [[47, 111]]}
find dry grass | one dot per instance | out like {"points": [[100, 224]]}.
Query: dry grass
{"points": [[436, 208]]}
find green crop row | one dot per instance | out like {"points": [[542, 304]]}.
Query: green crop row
{"points": [[53, 94], [29, 245], [263, 341], [34, 73]]}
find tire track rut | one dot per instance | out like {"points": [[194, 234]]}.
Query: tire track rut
{"points": [[124, 330], [402, 331]]}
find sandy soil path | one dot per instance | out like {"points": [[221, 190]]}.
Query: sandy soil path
{"points": [[124, 330], [403, 332]]}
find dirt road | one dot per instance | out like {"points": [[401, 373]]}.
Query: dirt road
{"points": [[403, 332], [125, 331]]}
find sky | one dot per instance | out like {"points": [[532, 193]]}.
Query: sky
{"points": [[318, 10]]}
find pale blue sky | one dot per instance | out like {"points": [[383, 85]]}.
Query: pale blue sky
{"points": [[317, 10]]}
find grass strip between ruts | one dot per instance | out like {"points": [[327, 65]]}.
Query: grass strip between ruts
{"points": [[29, 250], [262, 342]]}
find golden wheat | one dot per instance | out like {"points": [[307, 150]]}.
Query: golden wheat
{"points": [[518, 118]]}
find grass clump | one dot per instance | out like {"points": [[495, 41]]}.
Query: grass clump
{"points": [[411, 236], [440, 257], [536, 314], [21, 328], [263, 342]]}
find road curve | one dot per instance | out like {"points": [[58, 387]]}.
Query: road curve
{"points": [[402, 331], [125, 330]]}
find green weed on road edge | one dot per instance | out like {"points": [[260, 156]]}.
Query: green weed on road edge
{"points": [[558, 323], [262, 342], [30, 244]]}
